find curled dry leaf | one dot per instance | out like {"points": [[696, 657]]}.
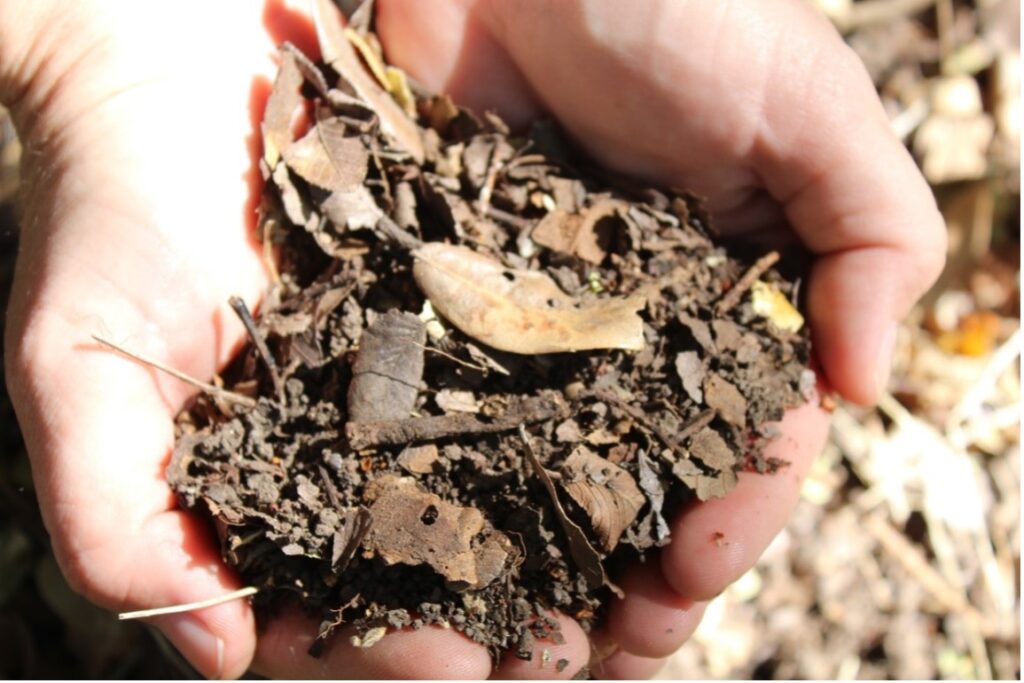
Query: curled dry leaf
{"points": [[768, 302], [338, 52], [691, 371], [387, 370], [586, 235], [412, 527], [607, 493], [586, 557], [520, 311], [283, 101]]}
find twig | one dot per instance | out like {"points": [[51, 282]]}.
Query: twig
{"points": [[452, 358], [702, 420], [394, 432], [516, 222], [189, 606], [215, 391], [882, 11], [242, 311], [733, 296]]}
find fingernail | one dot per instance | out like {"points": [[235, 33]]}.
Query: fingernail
{"points": [[883, 365], [203, 649]]}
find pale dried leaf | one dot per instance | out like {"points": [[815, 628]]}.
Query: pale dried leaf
{"points": [[607, 493], [418, 459], [326, 158], [724, 397], [283, 101], [456, 401], [352, 209], [768, 302], [520, 311], [338, 52], [712, 450], [691, 371]]}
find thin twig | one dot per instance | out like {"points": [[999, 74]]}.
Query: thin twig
{"points": [[215, 391], [189, 606], [452, 358], [242, 311], [733, 296]]}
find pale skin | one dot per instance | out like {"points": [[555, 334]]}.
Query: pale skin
{"points": [[139, 209]]}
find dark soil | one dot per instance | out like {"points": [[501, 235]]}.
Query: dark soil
{"points": [[488, 374]]}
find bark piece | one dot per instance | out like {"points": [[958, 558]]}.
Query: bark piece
{"points": [[520, 311], [387, 370], [605, 491], [526, 411]]}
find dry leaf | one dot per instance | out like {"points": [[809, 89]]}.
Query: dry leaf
{"points": [[387, 370], [607, 493], [768, 302], [326, 158], [712, 450], [587, 559], [520, 311], [418, 459], [691, 371], [338, 52], [725, 398], [283, 101], [411, 526], [586, 235], [351, 209], [456, 401]]}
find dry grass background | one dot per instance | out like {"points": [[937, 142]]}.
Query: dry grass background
{"points": [[902, 559]]}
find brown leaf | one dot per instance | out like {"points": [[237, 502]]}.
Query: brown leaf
{"points": [[283, 101], [520, 311], [607, 492], [411, 526], [456, 401], [726, 399], [586, 235], [705, 486], [338, 52], [691, 371], [326, 158], [587, 559], [711, 449], [353, 209], [387, 370]]}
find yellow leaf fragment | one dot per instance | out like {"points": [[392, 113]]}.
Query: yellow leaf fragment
{"points": [[768, 302], [521, 311]]}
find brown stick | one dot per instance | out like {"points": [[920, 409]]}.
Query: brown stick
{"points": [[733, 296], [393, 432], [242, 311]]}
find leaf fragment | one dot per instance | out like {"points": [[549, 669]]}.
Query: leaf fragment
{"points": [[518, 310], [768, 302], [283, 101], [690, 369], [607, 493], [412, 527], [724, 397], [586, 235], [326, 158], [337, 51]]}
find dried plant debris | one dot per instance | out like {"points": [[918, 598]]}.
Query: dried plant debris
{"points": [[497, 370]]}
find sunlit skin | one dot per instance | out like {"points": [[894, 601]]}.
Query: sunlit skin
{"points": [[139, 191]]}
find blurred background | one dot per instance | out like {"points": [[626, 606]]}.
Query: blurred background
{"points": [[903, 557]]}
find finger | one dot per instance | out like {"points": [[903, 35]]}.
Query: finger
{"points": [[717, 541], [558, 658], [625, 666], [431, 652], [653, 620]]}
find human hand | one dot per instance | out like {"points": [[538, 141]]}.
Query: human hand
{"points": [[139, 195]]}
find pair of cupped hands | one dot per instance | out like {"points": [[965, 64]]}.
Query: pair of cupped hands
{"points": [[139, 123]]}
